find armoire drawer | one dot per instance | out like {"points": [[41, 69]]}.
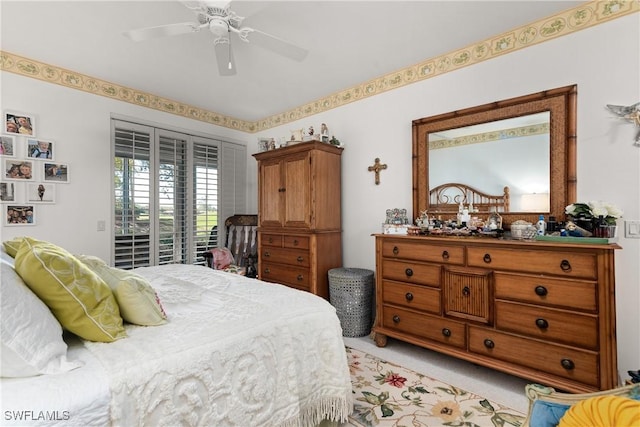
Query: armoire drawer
{"points": [[417, 297], [416, 251], [411, 272], [568, 264], [578, 365], [547, 291], [269, 239], [433, 328], [297, 277], [559, 326], [296, 242], [295, 257]]}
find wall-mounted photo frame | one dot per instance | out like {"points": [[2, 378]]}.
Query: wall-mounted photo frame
{"points": [[8, 192], [7, 145], [16, 169], [19, 215], [56, 172], [19, 124], [39, 149], [41, 192]]}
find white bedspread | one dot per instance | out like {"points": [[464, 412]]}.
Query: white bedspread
{"points": [[235, 351]]}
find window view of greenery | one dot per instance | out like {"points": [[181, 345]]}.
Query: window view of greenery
{"points": [[163, 214]]}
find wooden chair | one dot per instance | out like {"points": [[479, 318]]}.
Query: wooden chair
{"points": [[240, 247]]}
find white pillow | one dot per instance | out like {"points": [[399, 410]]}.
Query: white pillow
{"points": [[5, 257], [31, 337]]}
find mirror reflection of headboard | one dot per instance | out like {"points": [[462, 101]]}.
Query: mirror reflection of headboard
{"points": [[446, 198]]}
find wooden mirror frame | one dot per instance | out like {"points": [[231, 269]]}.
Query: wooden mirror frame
{"points": [[560, 102]]}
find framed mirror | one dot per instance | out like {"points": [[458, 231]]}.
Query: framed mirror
{"points": [[520, 153]]}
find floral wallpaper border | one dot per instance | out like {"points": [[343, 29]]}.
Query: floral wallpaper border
{"points": [[575, 19]]}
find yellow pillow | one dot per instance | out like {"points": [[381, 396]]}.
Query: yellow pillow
{"points": [[603, 411], [80, 300], [12, 246], [138, 301]]}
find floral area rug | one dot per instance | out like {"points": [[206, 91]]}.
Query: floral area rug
{"points": [[389, 395]]}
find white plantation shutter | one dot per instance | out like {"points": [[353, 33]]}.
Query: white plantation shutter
{"points": [[167, 192]]}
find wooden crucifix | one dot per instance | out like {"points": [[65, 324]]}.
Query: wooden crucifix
{"points": [[377, 167]]}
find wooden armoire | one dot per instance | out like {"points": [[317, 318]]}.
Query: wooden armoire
{"points": [[299, 215]]}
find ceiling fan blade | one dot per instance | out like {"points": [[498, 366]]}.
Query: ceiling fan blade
{"points": [[224, 57], [162, 31], [273, 43]]}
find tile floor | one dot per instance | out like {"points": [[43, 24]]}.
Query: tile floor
{"points": [[493, 385]]}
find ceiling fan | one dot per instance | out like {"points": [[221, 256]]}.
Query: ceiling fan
{"points": [[217, 17]]}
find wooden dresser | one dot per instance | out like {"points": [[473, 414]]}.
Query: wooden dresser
{"points": [[544, 311], [299, 215]]}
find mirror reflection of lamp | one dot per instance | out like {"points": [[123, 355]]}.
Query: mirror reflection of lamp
{"points": [[535, 202]]}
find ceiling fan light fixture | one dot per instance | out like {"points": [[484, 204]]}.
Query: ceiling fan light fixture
{"points": [[219, 27]]}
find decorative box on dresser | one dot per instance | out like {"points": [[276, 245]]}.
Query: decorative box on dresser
{"points": [[544, 311], [299, 215]]}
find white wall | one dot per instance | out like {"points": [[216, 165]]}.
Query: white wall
{"points": [[79, 124], [603, 61]]}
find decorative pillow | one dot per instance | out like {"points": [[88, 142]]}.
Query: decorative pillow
{"points": [[222, 258], [31, 337], [138, 301], [12, 246], [547, 414], [603, 411], [80, 300]]}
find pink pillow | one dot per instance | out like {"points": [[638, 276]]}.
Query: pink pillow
{"points": [[222, 258]]}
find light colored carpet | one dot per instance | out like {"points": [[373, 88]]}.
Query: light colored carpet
{"points": [[496, 386], [387, 394]]}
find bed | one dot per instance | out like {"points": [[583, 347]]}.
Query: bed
{"points": [[224, 350], [446, 198]]}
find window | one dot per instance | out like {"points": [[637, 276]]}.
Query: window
{"points": [[168, 187]]}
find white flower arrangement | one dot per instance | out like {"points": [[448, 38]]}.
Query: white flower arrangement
{"points": [[595, 209]]}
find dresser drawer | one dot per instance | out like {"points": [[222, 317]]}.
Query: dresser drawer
{"points": [[548, 291], [295, 257], [548, 324], [530, 261], [578, 365], [297, 277], [444, 254], [268, 239], [296, 242], [422, 325], [412, 296], [411, 272]]}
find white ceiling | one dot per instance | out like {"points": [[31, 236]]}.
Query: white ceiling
{"points": [[349, 43]]}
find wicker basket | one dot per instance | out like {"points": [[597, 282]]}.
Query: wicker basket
{"points": [[351, 293]]}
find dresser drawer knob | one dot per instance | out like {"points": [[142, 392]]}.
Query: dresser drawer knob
{"points": [[267, 270], [295, 242], [567, 364], [300, 259], [446, 332], [487, 258], [299, 278], [409, 296], [270, 239], [466, 291], [396, 319], [445, 254], [565, 265], [489, 343], [408, 272], [542, 323], [396, 251], [267, 254], [541, 291]]}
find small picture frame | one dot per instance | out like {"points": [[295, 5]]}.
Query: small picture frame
{"points": [[19, 124], [39, 149], [41, 192], [8, 192], [20, 170], [55, 172], [7, 145], [19, 215]]}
